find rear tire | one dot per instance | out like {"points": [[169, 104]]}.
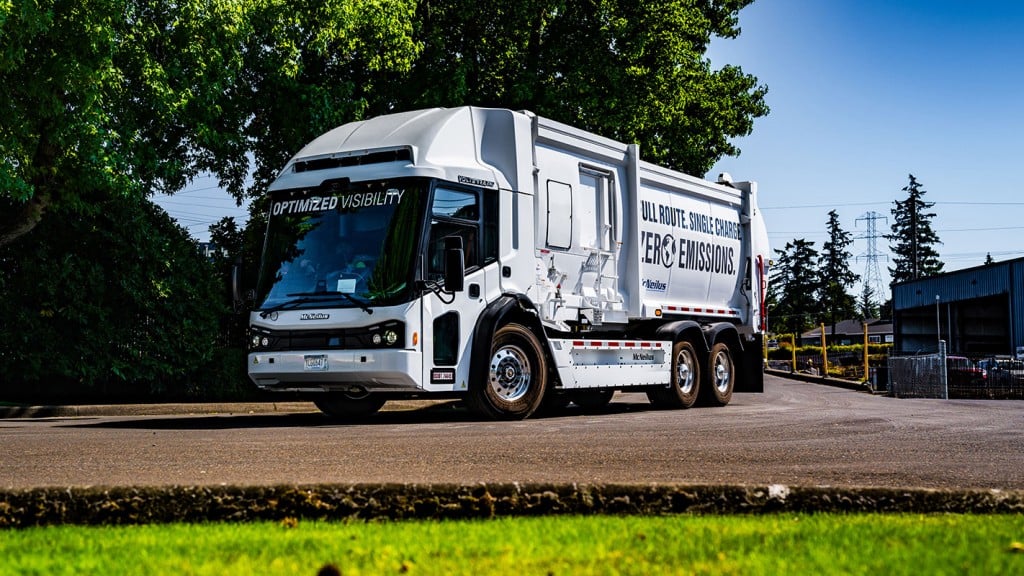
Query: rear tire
{"points": [[721, 375], [685, 387], [516, 376], [344, 407]]}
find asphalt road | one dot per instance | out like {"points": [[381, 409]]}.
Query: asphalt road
{"points": [[795, 433]]}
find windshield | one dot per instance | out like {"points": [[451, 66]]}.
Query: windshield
{"points": [[341, 244]]}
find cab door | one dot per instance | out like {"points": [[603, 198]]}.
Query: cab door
{"points": [[449, 318]]}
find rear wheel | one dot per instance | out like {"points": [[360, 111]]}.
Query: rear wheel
{"points": [[344, 406], [685, 387], [721, 375], [516, 376]]}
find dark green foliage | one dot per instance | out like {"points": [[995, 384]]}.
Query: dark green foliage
{"points": [[794, 283], [835, 301], [632, 71], [912, 240], [867, 305], [113, 303], [113, 95]]}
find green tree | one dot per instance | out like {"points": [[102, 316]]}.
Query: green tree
{"points": [[633, 71], [117, 302], [141, 95], [310, 67], [867, 305], [108, 95], [793, 286], [835, 301], [912, 240]]}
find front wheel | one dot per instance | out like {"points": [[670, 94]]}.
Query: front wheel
{"points": [[721, 375], [345, 407], [516, 376], [685, 385]]}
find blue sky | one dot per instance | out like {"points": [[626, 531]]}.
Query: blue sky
{"points": [[864, 93]]}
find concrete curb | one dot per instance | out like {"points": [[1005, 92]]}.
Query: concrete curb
{"points": [[837, 382], [103, 506], [222, 408]]}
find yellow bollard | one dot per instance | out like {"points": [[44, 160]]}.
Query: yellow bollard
{"points": [[824, 352]]}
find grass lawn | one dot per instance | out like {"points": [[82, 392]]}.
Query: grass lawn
{"points": [[772, 544]]}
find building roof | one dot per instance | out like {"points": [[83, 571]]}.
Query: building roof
{"points": [[852, 328]]}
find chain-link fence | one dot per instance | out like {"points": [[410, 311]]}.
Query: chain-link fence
{"points": [[922, 376], [947, 376]]}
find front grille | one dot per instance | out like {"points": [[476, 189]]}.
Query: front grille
{"points": [[362, 338]]}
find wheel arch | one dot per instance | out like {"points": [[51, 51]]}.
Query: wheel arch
{"points": [[508, 308], [684, 330]]}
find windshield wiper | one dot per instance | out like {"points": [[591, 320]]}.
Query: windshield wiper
{"points": [[307, 297]]}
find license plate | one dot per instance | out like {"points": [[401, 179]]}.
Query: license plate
{"points": [[316, 362]]}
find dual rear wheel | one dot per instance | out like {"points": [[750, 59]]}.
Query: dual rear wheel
{"points": [[690, 384]]}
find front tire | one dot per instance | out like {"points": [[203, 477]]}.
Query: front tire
{"points": [[345, 407], [685, 387], [516, 376], [721, 375]]}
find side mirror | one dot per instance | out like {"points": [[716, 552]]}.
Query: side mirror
{"points": [[241, 300], [236, 282], [454, 265]]}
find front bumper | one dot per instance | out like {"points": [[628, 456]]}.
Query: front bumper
{"points": [[343, 371]]}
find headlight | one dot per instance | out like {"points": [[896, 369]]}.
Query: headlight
{"points": [[390, 337]]}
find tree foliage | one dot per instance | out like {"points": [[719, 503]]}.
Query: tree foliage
{"points": [[836, 303], [119, 300], [141, 95], [108, 95], [912, 240], [867, 304], [793, 287], [633, 71]]}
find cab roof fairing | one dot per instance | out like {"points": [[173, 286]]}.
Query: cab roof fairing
{"points": [[445, 143]]}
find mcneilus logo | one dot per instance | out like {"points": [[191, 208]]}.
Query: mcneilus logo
{"points": [[652, 285]]}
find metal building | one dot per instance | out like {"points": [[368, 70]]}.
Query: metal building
{"points": [[977, 311]]}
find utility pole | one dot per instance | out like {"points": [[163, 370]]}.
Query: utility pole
{"points": [[913, 238]]}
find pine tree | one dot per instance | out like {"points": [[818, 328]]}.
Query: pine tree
{"points": [[867, 306], [836, 303], [794, 283], [988, 259], [912, 240]]}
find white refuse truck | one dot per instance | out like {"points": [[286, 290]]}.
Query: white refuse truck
{"points": [[507, 259]]}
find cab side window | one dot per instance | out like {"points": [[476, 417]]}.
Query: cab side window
{"points": [[460, 213]]}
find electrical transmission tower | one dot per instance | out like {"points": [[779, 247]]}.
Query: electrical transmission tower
{"points": [[872, 277]]}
